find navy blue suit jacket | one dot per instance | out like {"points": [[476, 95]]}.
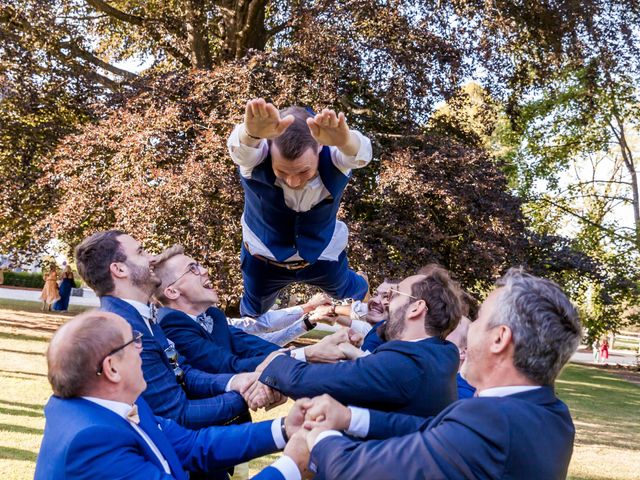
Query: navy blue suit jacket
{"points": [[225, 350], [465, 389], [83, 440], [372, 340], [201, 403], [524, 436], [418, 378]]}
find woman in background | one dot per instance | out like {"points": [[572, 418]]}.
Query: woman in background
{"points": [[66, 285], [50, 290]]}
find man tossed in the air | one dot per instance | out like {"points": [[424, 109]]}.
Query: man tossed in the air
{"points": [[294, 167]]}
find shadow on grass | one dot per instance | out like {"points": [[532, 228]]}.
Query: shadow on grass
{"points": [[32, 406], [8, 427], [41, 354], [20, 336], [18, 372], [21, 413], [7, 453]]}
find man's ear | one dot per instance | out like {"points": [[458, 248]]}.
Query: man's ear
{"points": [[171, 293], [119, 270], [501, 338], [418, 310], [109, 370]]}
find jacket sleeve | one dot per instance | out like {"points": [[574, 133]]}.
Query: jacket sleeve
{"points": [[215, 410], [203, 353], [380, 377], [90, 457], [247, 345], [215, 448], [466, 443], [386, 424]]}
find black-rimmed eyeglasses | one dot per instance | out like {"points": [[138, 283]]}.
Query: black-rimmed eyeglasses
{"points": [[137, 340]]}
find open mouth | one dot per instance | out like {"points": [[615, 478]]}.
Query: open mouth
{"points": [[207, 284]]}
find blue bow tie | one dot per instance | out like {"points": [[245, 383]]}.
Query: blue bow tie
{"points": [[205, 321]]}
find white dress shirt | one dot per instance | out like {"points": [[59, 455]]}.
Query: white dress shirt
{"points": [[302, 200], [360, 417], [143, 309], [276, 326], [122, 409]]}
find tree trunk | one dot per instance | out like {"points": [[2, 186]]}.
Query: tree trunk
{"points": [[627, 157], [196, 35]]}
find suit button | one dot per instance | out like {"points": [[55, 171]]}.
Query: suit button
{"points": [[269, 379]]}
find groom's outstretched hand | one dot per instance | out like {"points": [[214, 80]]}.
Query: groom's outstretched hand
{"points": [[332, 130], [262, 120]]}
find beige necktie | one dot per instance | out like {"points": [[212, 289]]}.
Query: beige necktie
{"points": [[133, 414]]}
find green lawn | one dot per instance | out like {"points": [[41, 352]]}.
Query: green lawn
{"points": [[605, 408]]}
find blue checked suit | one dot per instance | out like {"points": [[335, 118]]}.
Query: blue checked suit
{"points": [[202, 402]]}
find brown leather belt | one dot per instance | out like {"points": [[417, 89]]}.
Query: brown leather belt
{"points": [[300, 264]]}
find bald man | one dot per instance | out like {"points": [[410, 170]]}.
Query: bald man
{"points": [[98, 426]]}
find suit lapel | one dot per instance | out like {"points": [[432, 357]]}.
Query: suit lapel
{"points": [[152, 428]]}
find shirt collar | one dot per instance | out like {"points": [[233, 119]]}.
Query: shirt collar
{"points": [[119, 408], [142, 308], [504, 391]]}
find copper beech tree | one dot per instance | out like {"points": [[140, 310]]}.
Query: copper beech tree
{"points": [[158, 168]]}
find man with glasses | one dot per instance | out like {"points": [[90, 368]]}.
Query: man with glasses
{"points": [[414, 372], [199, 329], [515, 427], [118, 269], [98, 426]]}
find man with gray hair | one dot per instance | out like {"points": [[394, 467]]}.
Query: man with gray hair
{"points": [[526, 330]]}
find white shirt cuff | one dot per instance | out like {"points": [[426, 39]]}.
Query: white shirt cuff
{"points": [[227, 387], [288, 468], [243, 155], [360, 420], [359, 160], [325, 434], [276, 432], [298, 354]]}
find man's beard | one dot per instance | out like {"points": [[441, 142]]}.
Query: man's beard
{"points": [[393, 328], [143, 278]]}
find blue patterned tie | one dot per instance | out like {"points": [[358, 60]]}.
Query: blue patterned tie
{"points": [[205, 322]]}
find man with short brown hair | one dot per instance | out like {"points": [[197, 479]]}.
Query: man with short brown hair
{"points": [[294, 167], [121, 272], [413, 372]]}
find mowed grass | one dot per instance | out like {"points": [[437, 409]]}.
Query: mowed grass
{"points": [[605, 407]]}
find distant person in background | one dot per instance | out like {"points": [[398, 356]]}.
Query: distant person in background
{"points": [[64, 290], [50, 293], [604, 351], [596, 351]]}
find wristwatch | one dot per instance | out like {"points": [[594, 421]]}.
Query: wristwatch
{"points": [[307, 323]]}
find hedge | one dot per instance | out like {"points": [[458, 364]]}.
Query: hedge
{"points": [[26, 279]]}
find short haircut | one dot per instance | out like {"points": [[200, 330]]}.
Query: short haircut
{"points": [[76, 349], [297, 138], [94, 257], [163, 272], [470, 306], [442, 295], [545, 326]]}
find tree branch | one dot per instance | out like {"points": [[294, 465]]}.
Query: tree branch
{"points": [[115, 13], [91, 58]]}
